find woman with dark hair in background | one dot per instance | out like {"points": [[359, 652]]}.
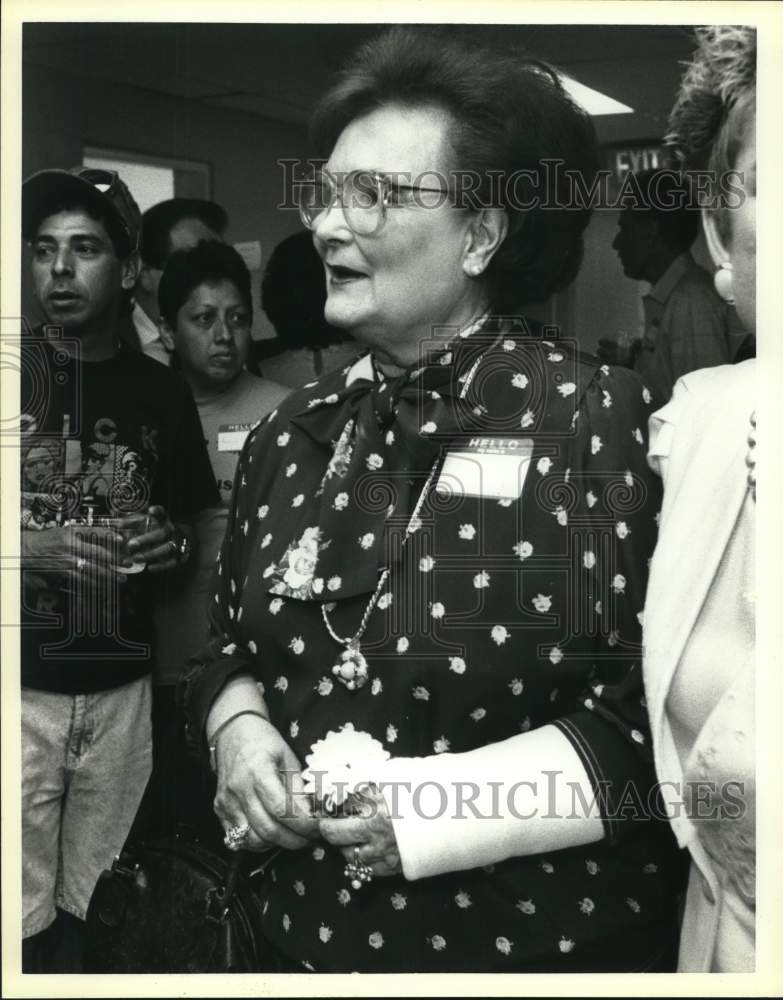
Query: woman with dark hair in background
{"points": [[293, 295], [442, 556], [700, 622], [206, 314]]}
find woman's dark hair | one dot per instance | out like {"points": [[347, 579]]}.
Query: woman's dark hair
{"points": [[293, 295], [510, 115], [208, 263], [158, 221]]}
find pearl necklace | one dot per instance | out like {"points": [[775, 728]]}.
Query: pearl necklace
{"points": [[750, 458]]}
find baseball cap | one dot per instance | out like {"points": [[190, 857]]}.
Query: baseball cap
{"points": [[90, 186]]}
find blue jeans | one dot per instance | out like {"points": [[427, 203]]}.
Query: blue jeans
{"points": [[85, 763]]}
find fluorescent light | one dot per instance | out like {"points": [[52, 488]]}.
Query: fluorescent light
{"points": [[593, 101]]}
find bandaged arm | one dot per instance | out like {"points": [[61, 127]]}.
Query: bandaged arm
{"points": [[525, 795]]}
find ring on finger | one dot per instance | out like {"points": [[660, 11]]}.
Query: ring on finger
{"points": [[236, 836], [358, 872]]}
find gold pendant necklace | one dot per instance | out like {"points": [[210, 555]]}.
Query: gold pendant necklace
{"points": [[351, 669]]}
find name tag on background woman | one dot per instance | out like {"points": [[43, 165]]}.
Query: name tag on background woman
{"points": [[231, 437], [493, 467]]}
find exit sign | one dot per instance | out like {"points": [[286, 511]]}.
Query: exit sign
{"points": [[634, 158]]}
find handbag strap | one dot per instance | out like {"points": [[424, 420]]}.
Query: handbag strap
{"points": [[219, 899]]}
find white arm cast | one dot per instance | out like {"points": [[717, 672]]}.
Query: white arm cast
{"points": [[529, 794]]}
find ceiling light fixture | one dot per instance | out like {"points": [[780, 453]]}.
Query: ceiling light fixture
{"points": [[593, 101]]}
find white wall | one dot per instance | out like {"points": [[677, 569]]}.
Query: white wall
{"points": [[62, 113], [604, 300]]}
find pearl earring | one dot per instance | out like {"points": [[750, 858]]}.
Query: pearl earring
{"points": [[723, 281]]}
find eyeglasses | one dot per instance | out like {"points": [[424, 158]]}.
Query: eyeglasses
{"points": [[364, 196]]}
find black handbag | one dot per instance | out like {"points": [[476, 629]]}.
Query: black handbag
{"points": [[170, 905]]}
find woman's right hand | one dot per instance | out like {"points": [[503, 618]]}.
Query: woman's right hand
{"points": [[259, 783]]}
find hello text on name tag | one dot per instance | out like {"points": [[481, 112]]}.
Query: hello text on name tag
{"points": [[493, 467], [231, 437]]}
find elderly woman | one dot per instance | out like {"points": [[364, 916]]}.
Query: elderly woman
{"points": [[431, 586], [699, 632]]}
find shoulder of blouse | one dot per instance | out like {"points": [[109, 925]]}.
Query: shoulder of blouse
{"points": [[625, 387], [293, 402], [617, 406], [297, 400]]}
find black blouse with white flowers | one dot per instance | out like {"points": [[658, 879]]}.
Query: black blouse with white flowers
{"points": [[516, 601]]}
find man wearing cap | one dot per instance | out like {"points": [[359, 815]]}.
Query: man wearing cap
{"points": [[176, 224], [128, 461]]}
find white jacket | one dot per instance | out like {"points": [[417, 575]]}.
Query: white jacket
{"points": [[698, 442]]}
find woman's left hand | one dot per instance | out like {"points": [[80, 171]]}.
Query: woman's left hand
{"points": [[370, 832]]}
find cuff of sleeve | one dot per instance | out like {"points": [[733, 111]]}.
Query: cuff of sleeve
{"points": [[622, 781], [198, 687]]}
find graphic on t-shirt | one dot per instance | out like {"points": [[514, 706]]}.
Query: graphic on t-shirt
{"points": [[42, 496], [61, 477], [97, 468]]}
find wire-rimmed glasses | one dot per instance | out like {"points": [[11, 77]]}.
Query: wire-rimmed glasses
{"points": [[364, 195]]}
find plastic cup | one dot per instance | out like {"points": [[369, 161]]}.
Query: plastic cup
{"points": [[129, 528]]}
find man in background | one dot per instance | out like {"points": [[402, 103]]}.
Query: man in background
{"points": [[110, 438], [176, 224], [686, 323]]}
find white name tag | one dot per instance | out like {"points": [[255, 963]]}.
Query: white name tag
{"points": [[231, 437], [487, 467]]}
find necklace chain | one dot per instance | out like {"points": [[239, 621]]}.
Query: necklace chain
{"points": [[352, 642]]}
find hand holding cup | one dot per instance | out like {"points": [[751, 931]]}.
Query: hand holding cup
{"points": [[149, 540], [131, 528]]}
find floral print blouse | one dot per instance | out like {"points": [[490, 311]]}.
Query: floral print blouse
{"points": [[515, 601]]}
